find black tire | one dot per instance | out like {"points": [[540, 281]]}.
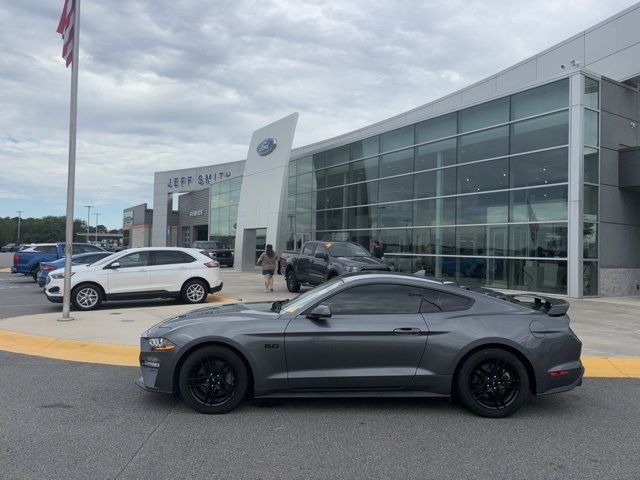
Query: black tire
{"points": [[213, 380], [493, 383], [194, 291], [34, 274], [86, 296], [292, 282]]}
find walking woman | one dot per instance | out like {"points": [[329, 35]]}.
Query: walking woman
{"points": [[268, 260]]}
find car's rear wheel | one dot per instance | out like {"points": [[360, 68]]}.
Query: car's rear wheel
{"points": [[194, 291], [292, 282], [86, 297], [493, 383], [213, 380]]}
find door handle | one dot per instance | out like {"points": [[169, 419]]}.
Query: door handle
{"points": [[407, 331]]}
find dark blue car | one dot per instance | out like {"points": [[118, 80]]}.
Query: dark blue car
{"points": [[79, 259]]}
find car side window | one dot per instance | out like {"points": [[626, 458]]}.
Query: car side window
{"points": [[309, 248], [434, 301], [80, 249], [169, 257], [92, 248], [138, 259], [382, 299]]}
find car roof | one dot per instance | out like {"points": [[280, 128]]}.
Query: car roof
{"points": [[152, 249]]}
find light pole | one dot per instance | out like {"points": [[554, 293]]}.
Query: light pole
{"points": [[97, 215], [19, 213], [88, 207]]}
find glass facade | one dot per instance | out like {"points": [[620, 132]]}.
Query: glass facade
{"points": [[479, 195], [591, 188], [224, 198]]}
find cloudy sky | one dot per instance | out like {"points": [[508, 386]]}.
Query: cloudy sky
{"points": [[166, 84]]}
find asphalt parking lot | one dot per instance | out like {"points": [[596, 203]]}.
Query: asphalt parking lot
{"points": [[72, 420], [63, 419]]}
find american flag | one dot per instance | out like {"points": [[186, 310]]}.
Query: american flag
{"points": [[65, 28]]}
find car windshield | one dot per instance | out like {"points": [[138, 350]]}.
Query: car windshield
{"points": [[209, 245], [346, 250], [307, 298]]}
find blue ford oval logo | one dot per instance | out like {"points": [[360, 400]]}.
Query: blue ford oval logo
{"points": [[266, 146]]}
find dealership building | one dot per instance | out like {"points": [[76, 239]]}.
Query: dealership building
{"points": [[527, 180]]}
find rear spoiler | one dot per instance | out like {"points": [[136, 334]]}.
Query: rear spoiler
{"points": [[554, 307]]}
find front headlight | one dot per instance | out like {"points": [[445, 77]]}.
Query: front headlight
{"points": [[352, 269], [161, 345], [58, 276]]}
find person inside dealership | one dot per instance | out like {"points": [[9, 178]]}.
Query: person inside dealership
{"points": [[377, 249], [268, 260]]}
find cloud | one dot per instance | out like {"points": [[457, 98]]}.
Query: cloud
{"points": [[166, 84]]}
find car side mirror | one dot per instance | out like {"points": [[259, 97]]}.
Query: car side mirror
{"points": [[321, 255], [320, 311], [115, 265]]}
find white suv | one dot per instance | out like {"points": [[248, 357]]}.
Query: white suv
{"points": [[140, 273]]}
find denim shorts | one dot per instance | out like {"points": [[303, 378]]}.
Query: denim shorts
{"points": [[269, 271]]}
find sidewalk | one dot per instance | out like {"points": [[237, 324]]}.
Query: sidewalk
{"points": [[608, 327]]}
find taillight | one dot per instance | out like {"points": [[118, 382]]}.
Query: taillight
{"points": [[559, 373], [47, 267], [16, 260], [213, 264]]}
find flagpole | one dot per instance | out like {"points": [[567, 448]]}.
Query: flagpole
{"points": [[71, 179]]}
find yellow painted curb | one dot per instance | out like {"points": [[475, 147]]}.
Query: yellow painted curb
{"points": [[5, 270], [213, 298], [72, 350], [612, 367]]}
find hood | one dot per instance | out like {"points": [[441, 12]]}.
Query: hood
{"points": [[74, 268], [233, 311], [363, 261]]}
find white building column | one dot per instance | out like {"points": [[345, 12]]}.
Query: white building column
{"points": [[263, 198], [576, 186]]}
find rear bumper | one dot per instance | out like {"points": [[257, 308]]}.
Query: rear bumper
{"points": [[563, 383], [217, 288]]}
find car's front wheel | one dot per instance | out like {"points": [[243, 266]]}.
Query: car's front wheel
{"points": [[493, 383], [213, 379], [86, 297], [194, 291], [292, 282]]}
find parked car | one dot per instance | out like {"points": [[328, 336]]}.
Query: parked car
{"points": [[224, 256], [377, 334], [80, 259], [140, 273], [321, 261], [27, 260], [9, 247]]}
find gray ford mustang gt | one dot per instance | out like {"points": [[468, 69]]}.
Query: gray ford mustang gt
{"points": [[374, 334]]}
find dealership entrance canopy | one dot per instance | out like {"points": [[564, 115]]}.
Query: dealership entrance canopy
{"points": [[527, 180]]}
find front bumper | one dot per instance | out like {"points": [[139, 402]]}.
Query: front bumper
{"points": [[53, 290], [157, 369]]}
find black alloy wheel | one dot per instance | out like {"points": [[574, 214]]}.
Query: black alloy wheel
{"points": [[493, 383], [292, 282], [213, 380]]}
